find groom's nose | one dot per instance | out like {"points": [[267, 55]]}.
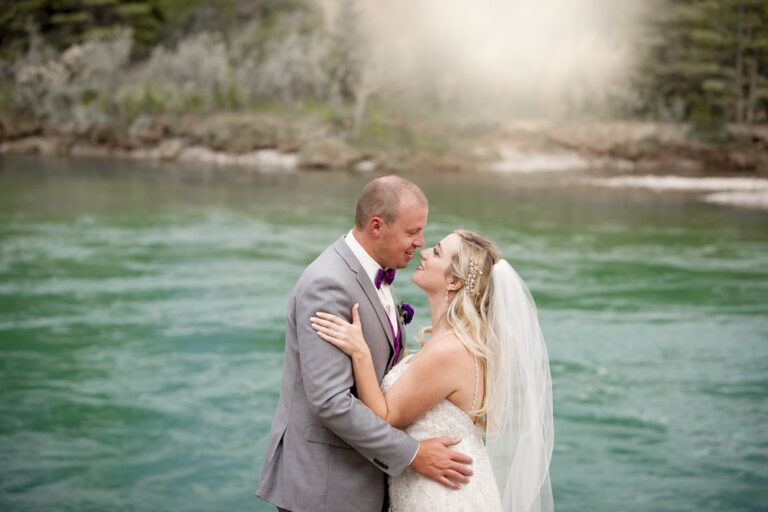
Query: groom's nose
{"points": [[419, 242]]}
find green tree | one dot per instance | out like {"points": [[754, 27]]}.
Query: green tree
{"points": [[349, 60], [706, 61], [67, 22]]}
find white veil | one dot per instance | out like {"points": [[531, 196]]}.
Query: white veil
{"points": [[520, 431]]}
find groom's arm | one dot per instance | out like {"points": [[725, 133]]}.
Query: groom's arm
{"points": [[327, 376]]}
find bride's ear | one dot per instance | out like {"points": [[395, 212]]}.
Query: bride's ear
{"points": [[454, 284]]}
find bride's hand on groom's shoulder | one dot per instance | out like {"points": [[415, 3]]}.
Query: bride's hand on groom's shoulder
{"points": [[348, 337]]}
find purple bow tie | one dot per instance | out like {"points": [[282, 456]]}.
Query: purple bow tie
{"points": [[384, 276]]}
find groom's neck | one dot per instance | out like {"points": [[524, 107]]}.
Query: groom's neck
{"points": [[367, 243]]}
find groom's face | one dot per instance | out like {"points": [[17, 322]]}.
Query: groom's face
{"points": [[400, 241]]}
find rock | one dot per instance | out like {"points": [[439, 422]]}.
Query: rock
{"points": [[147, 130], [365, 166], [663, 163], [424, 161], [741, 160], [170, 149], [14, 125], [236, 134], [27, 146], [239, 133], [86, 149], [265, 159], [240, 145], [271, 159], [328, 153], [189, 126], [62, 145], [58, 146], [754, 133], [108, 135]]}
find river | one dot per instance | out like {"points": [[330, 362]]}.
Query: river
{"points": [[142, 318]]}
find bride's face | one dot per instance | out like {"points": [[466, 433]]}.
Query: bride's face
{"points": [[432, 273]]}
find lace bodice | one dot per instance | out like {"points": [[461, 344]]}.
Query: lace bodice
{"points": [[411, 491], [444, 419]]}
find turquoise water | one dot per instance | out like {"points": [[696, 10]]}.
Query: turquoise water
{"points": [[142, 315]]}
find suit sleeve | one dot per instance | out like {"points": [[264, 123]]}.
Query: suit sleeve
{"points": [[328, 378]]}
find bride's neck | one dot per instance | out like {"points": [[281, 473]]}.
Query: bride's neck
{"points": [[437, 309]]}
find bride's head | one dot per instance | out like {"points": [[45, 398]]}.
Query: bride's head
{"points": [[458, 271], [458, 268]]}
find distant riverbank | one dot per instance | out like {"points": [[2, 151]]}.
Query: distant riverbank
{"points": [[272, 142]]}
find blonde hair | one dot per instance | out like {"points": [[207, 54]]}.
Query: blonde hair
{"points": [[467, 313]]}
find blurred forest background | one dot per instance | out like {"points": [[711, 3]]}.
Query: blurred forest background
{"points": [[126, 72]]}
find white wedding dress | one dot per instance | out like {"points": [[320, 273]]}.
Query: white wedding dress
{"points": [[411, 491]]}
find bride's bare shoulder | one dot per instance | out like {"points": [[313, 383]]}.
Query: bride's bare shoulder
{"points": [[448, 349]]}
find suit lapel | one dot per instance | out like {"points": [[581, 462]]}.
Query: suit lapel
{"points": [[365, 283], [400, 324], [373, 296]]}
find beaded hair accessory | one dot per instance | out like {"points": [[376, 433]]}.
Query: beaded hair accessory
{"points": [[472, 275]]}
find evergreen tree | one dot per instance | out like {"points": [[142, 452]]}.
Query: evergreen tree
{"points": [[349, 61], [67, 22], [706, 61]]}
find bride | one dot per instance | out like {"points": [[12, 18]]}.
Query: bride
{"points": [[483, 372]]}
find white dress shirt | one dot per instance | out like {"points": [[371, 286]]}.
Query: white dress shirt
{"points": [[371, 269]]}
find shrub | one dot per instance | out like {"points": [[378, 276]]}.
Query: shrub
{"points": [[196, 76], [292, 63], [75, 86]]}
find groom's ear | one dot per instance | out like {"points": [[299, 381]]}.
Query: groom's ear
{"points": [[374, 226]]}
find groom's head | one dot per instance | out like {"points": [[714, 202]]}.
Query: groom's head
{"points": [[389, 220]]}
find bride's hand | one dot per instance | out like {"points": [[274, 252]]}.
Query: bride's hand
{"points": [[348, 337]]}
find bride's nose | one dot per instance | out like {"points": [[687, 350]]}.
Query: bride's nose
{"points": [[423, 253]]}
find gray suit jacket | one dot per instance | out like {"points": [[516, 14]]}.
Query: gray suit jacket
{"points": [[327, 451]]}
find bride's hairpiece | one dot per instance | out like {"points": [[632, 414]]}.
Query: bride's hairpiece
{"points": [[472, 275]]}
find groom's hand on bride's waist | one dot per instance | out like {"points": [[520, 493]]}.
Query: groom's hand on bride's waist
{"points": [[438, 462]]}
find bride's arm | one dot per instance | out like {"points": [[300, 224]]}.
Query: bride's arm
{"points": [[349, 338], [430, 376]]}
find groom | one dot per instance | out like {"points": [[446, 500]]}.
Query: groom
{"points": [[326, 450]]}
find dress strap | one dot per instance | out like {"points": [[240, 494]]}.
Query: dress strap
{"points": [[477, 383]]}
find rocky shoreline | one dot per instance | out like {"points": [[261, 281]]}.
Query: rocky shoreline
{"points": [[275, 143]]}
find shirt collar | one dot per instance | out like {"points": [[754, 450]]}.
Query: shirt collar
{"points": [[369, 264]]}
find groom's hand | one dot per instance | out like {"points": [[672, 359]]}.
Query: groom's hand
{"points": [[438, 462]]}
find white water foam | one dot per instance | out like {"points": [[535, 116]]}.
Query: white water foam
{"points": [[747, 199], [747, 192]]}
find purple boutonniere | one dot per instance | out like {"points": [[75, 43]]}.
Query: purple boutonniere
{"points": [[405, 311]]}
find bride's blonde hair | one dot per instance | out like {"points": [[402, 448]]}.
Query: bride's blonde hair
{"points": [[467, 313]]}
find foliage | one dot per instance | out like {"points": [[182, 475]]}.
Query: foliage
{"points": [[194, 76], [64, 23], [83, 62], [293, 67], [706, 62], [347, 55], [74, 86]]}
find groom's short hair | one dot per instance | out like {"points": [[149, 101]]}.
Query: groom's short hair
{"points": [[381, 198]]}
